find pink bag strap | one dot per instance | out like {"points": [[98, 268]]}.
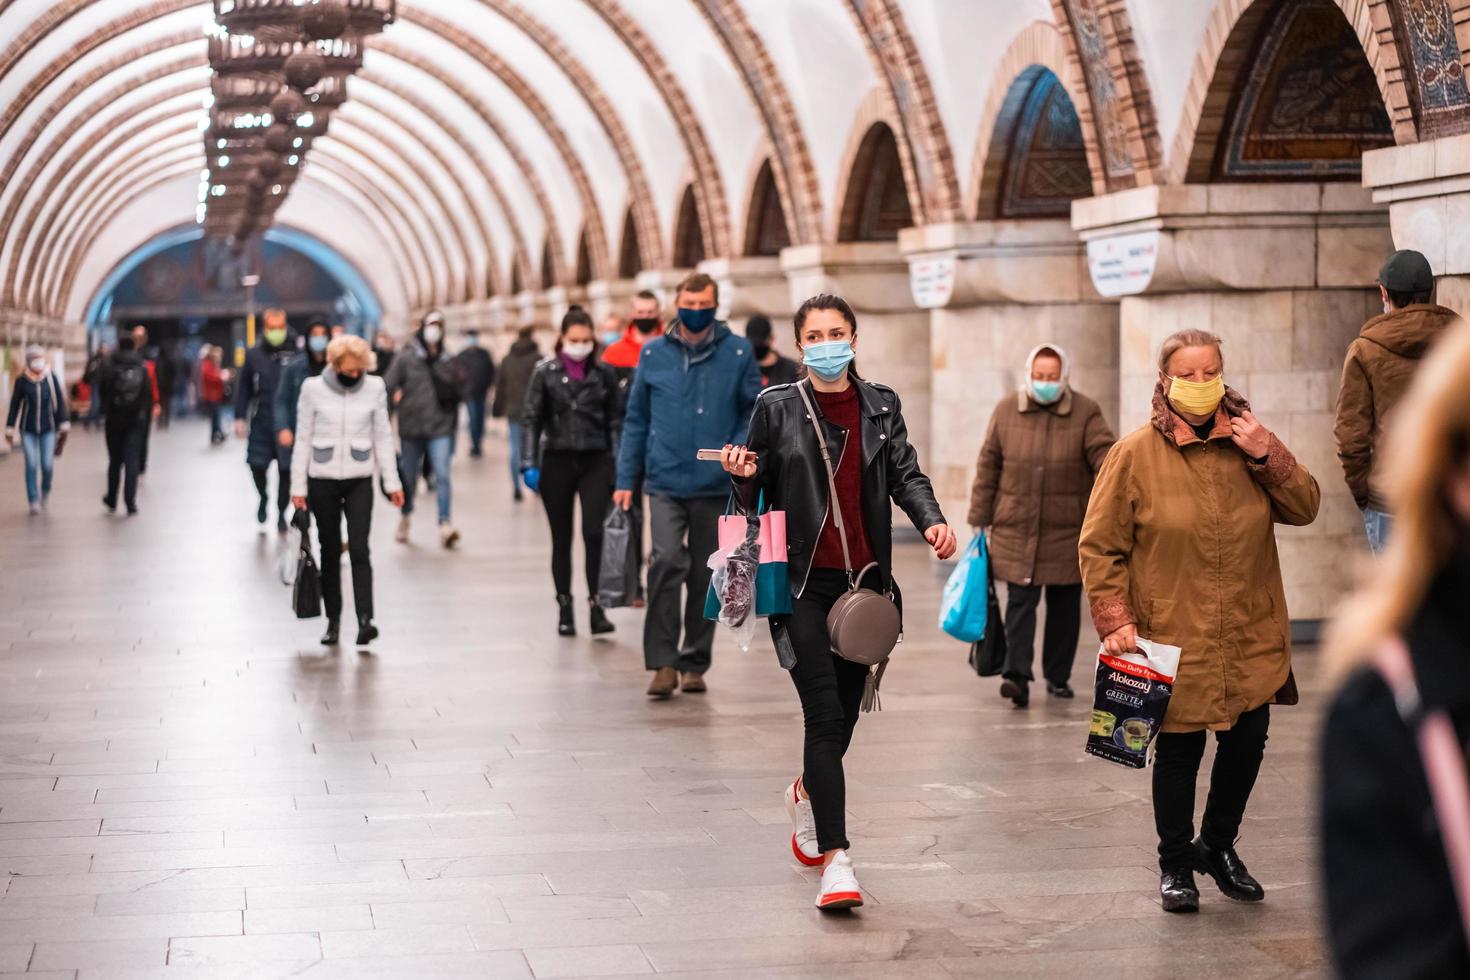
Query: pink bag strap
{"points": [[1444, 766]]}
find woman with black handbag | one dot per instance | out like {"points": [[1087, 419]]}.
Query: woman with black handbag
{"points": [[832, 451], [342, 433]]}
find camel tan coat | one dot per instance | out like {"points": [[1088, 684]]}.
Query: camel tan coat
{"points": [[1032, 483], [1179, 539]]}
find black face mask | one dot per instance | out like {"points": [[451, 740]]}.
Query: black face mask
{"points": [[349, 380], [646, 325], [762, 351]]}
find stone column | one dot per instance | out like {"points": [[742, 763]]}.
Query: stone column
{"points": [[1283, 273], [893, 333], [610, 296], [996, 290], [1426, 187], [754, 285]]}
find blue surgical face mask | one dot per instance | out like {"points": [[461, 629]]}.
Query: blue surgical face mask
{"points": [[1046, 392], [828, 361], [696, 321], [316, 343]]}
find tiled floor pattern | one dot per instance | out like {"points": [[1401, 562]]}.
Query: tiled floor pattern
{"points": [[190, 786]]}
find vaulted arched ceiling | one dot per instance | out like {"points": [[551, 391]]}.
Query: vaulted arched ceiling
{"points": [[480, 131]]}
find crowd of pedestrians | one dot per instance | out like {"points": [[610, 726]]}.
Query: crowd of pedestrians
{"points": [[1165, 534]]}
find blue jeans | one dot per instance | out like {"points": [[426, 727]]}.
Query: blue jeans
{"points": [[475, 410], [40, 452], [1378, 525], [515, 455], [439, 449]]}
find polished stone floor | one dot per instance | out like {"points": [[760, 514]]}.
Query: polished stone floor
{"points": [[190, 786]]}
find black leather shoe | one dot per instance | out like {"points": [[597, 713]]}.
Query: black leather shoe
{"points": [[262, 511], [600, 623], [333, 634], [566, 624], [1018, 690], [366, 632], [1229, 872], [109, 503], [1063, 691], [1178, 890]]}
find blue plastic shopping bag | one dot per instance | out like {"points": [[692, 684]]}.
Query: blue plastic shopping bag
{"points": [[963, 611]]}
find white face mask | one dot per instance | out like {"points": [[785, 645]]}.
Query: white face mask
{"points": [[580, 351], [433, 333], [38, 364]]}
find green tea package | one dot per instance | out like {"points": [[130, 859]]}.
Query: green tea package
{"points": [[1131, 698]]}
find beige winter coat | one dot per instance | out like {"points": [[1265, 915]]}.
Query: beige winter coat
{"points": [[1179, 540]]}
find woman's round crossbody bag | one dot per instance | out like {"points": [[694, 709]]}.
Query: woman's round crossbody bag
{"points": [[864, 625]]}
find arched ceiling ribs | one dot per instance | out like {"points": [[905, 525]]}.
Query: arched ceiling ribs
{"points": [[395, 195], [115, 194], [709, 189], [59, 13], [794, 173], [71, 198], [499, 67], [55, 246], [617, 133], [98, 111], [42, 80], [923, 145], [492, 122], [471, 153], [458, 285]]}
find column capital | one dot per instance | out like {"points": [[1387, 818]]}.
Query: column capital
{"points": [[1426, 187], [1181, 238], [871, 276], [959, 264], [749, 285]]}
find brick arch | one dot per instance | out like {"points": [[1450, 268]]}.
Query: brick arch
{"points": [[612, 124], [629, 254], [790, 162], [89, 114], [762, 209], [1227, 44], [709, 188], [876, 108], [1118, 118], [923, 144], [690, 247], [1041, 44]]}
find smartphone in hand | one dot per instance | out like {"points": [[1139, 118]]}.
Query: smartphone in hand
{"points": [[715, 455]]}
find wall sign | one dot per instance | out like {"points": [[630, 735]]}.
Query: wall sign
{"points": [[1123, 265], [931, 280]]}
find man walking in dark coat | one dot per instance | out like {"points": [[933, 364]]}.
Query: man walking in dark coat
{"points": [[478, 368], [255, 394]]}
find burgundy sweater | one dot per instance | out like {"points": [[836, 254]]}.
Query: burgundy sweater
{"points": [[843, 409]]}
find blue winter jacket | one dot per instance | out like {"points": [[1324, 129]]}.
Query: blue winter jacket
{"points": [[685, 399], [37, 407]]}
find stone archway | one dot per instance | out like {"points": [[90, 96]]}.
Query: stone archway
{"points": [[689, 248], [1036, 162], [766, 231], [875, 205]]}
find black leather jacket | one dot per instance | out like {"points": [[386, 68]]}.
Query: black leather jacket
{"points": [[789, 469], [562, 415]]}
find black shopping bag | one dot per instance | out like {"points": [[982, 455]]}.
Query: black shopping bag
{"points": [[617, 575], [988, 654], [306, 593]]}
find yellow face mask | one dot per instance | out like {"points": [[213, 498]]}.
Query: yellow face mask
{"points": [[1197, 397]]}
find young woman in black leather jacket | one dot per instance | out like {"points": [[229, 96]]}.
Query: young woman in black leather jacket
{"points": [[875, 464], [570, 428]]}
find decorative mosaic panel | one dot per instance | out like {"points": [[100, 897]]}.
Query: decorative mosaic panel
{"points": [[1046, 161], [1425, 32], [1309, 106], [1107, 106]]}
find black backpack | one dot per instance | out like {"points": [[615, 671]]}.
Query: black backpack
{"points": [[128, 388]]}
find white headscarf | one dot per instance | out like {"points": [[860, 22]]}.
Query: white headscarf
{"points": [[1031, 362]]}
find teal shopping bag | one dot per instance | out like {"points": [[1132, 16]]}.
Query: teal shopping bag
{"points": [[966, 602], [772, 581]]}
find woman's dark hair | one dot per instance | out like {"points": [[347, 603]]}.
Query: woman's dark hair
{"points": [[575, 317], [824, 301]]}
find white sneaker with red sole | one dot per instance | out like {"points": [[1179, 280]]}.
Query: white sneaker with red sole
{"points": [[840, 889], [803, 827]]}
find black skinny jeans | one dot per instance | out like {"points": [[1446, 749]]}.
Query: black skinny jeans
{"points": [[831, 692], [328, 500], [565, 477], [283, 480], [1238, 754]]}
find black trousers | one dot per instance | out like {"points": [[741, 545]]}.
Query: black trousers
{"points": [[1058, 647], [143, 449], [125, 441], [831, 692], [283, 480], [565, 478], [1238, 754], [328, 500]]}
